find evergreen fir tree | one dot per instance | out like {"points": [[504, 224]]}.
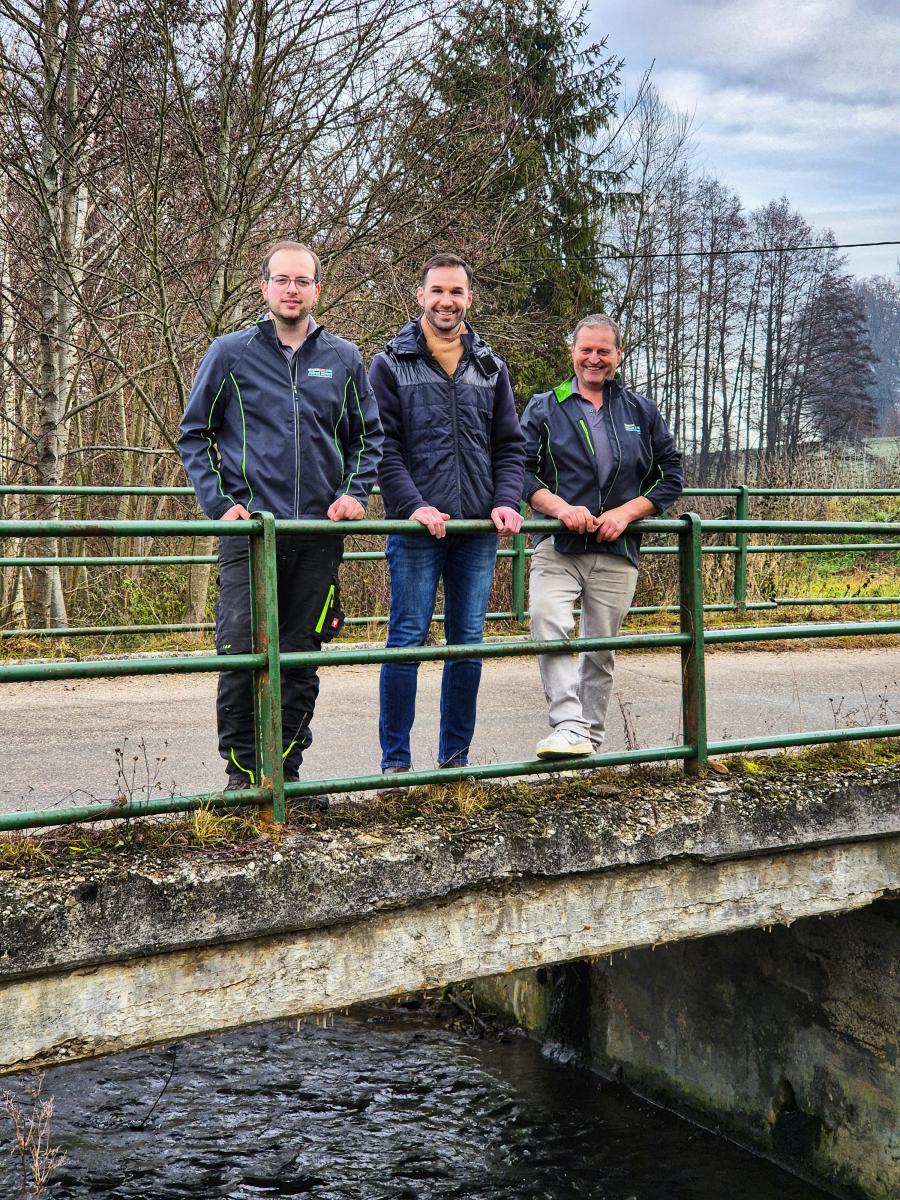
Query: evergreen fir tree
{"points": [[529, 113]]}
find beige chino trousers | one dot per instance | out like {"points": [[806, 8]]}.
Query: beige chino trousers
{"points": [[578, 692]]}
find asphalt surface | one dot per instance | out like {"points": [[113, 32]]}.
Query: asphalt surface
{"points": [[71, 743]]}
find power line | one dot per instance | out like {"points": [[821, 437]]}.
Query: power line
{"points": [[745, 250], [710, 253]]}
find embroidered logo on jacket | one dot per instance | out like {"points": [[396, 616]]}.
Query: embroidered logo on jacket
{"points": [[320, 372], [632, 428]]}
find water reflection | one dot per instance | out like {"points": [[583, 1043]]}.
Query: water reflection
{"points": [[379, 1105]]}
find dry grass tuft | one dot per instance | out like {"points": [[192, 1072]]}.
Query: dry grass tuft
{"points": [[19, 850]]}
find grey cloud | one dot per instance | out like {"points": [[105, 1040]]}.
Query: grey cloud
{"points": [[802, 101], [822, 48]]}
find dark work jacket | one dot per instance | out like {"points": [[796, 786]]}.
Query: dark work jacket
{"points": [[452, 443], [560, 457], [286, 439]]}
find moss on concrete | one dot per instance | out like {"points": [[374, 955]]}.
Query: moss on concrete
{"points": [[137, 890]]}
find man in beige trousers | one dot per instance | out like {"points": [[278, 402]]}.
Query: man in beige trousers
{"points": [[598, 457]]}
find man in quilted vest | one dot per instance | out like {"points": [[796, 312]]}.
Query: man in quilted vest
{"points": [[453, 449]]}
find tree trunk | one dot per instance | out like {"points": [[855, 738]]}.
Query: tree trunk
{"points": [[49, 447], [198, 583]]}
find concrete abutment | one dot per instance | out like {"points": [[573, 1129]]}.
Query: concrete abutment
{"points": [[784, 1038]]}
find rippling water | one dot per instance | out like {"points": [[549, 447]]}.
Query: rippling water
{"points": [[379, 1105]]}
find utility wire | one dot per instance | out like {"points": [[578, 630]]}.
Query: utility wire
{"points": [[727, 250]]}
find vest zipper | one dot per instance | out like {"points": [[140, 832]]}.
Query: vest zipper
{"points": [[455, 417]]}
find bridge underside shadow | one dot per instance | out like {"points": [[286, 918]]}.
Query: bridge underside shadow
{"points": [[136, 949]]}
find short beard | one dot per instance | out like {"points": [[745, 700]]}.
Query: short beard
{"points": [[444, 332], [291, 322]]}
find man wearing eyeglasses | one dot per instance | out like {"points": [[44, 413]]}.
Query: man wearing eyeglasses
{"points": [[280, 418]]}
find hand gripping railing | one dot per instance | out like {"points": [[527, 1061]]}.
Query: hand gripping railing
{"points": [[266, 659]]}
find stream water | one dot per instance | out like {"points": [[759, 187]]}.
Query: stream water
{"points": [[377, 1105]]}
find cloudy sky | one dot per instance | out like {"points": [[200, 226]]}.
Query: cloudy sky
{"points": [[798, 98]]}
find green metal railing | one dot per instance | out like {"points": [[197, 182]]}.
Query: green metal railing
{"points": [[739, 550], [267, 661]]}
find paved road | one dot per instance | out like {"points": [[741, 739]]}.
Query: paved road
{"points": [[63, 740]]}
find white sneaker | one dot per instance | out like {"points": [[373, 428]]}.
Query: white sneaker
{"points": [[563, 743]]}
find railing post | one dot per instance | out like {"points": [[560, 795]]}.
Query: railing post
{"points": [[693, 679], [267, 683], [742, 510], [518, 573]]}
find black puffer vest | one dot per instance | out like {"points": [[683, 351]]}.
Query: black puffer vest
{"points": [[446, 424]]}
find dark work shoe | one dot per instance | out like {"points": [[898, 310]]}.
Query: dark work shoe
{"points": [[238, 783], [397, 789], [312, 804]]}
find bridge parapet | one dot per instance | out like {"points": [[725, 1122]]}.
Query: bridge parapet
{"points": [[134, 946]]}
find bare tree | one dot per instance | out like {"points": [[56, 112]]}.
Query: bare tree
{"points": [[49, 104]]}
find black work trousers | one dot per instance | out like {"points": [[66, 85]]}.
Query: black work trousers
{"points": [[307, 587]]}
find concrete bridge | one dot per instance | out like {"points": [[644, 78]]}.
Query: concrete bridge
{"points": [[105, 951]]}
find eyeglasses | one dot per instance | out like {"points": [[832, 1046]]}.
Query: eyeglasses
{"points": [[299, 281]]}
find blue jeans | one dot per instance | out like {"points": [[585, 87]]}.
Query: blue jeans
{"points": [[416, 562]]}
